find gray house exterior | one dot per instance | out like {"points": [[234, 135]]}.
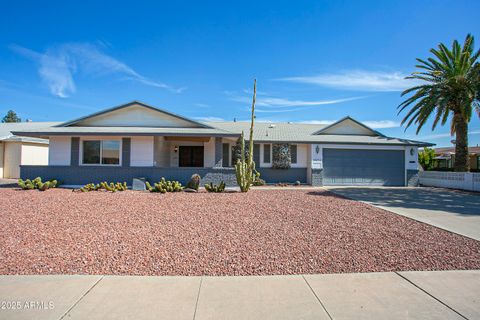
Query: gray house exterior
{"points": [[137, 140]]}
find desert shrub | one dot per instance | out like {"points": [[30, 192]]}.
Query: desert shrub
{"points": [[210, 187], [37, 184], [194, 182], [164, 186], [257, 181]]}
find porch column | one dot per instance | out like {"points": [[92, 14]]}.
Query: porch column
{"points": [[218, 153], [126, 147], [74, 151]]}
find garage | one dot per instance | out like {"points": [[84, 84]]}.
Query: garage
{"points": [[363, 167]]}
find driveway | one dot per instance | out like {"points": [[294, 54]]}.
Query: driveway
{"points": [[452, 210]]}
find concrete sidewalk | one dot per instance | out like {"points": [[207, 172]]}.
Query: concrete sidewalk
{"points": [[390, 295]]}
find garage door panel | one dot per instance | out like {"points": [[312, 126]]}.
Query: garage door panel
{"points": [[363, 167]]}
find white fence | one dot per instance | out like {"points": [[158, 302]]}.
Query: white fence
{"points": [[454, 180]]}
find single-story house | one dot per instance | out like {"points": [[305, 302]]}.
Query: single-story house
{"points": [[138, 140], [445, 158], [17, 150]]}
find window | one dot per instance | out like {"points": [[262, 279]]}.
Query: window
{"points": [[256, 154], [225, 155], [101, 152], [266, 153], [190, 156], [478, 162], [293, 153]]}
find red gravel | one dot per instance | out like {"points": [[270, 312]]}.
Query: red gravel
{"points": [[261, 232]]}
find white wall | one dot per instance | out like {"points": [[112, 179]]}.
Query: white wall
{"points": [[454, 180], [141, 152], [411, 158], [34, 154], [2, 144], [209, 153], [59, 151], [12, 159]]}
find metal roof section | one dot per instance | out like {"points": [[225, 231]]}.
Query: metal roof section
{"points": [[129, 104], [7, 129]]}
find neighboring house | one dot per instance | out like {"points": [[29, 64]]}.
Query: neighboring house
{"points": [[445, 158], [17, 150], [138, 140]]}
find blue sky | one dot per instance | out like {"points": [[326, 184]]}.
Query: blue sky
{"points": [[315, 61]]}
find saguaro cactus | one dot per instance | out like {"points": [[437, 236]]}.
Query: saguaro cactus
{"points": [[245, 168]]}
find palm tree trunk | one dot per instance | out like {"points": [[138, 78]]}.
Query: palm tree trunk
{"points": [[461, 143]]}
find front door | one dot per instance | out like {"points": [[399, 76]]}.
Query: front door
{"points": [[190, 156]]}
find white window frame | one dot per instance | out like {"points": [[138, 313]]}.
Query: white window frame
{"points": [[101, 143]]}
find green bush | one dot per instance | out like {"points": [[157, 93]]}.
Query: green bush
{"points": [[37, 184], [210, 187], [164, 186]]}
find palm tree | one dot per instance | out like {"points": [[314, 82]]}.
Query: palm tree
{"points": [[449, 88]]}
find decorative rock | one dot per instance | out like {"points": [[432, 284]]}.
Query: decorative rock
{"points": [[189, 190], [139, 184]]}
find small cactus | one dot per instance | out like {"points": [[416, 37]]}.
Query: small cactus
{"points": [[210, 187]]}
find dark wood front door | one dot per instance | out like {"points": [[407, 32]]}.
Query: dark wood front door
{"points": [[190, 156]]}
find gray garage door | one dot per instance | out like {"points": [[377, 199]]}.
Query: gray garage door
{"points": [[363, 167]]}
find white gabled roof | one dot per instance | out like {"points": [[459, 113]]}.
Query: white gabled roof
{"points": [[134, 114]]}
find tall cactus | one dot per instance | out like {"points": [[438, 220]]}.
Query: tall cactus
{"points": [[245, 168]]}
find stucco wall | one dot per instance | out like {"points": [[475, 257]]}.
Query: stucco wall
{"points": [[12, 159], [59, 151], [142, 152], [35, 154], [2, 144]]}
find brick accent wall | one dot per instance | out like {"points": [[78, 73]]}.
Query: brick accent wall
{"points": [[412, 178], [317, 177]]}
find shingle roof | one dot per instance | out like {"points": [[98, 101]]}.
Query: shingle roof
{"points": [[7, 128], [304, 133], [263, 132]]}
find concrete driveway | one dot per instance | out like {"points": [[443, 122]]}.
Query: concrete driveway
{"points": [[452, 210]]}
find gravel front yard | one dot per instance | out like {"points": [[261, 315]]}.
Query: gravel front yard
{"points": [[261, 232]]}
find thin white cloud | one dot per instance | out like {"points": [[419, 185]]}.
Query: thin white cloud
{"points": [[272, 102], [443, 135], [382, 124], [58, 65], [374, 124], [210, 119], [359, 80]]}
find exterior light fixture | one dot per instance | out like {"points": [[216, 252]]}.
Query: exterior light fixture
{"points": [[317, 149], [175, 149]]}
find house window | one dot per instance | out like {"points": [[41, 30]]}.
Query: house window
{"points": [[293, 153], [478, 162], [101, 152], [190, 156], [225, 155], [256, 153], [266, 153]]}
